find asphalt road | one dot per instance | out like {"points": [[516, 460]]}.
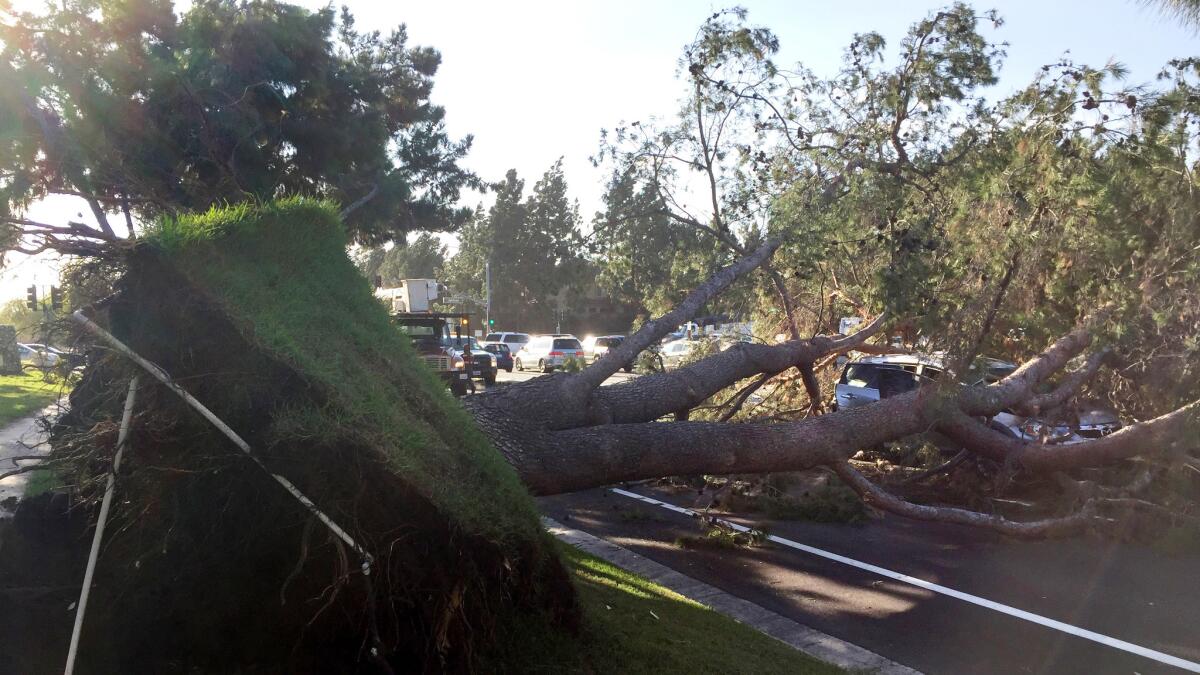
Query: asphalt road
{"points": [[1125, 592], [518, 376]]}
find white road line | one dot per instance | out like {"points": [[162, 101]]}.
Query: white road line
{"points": [[1146, 652]]}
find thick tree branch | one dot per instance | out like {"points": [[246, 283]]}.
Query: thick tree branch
{"points": [[594, 375], [358, 203], [739, 399], [1019, 386], [811, 386], [575, 459], [881, 499], [651, 396], [1067, 387], [1143, 438], [55, 148]]}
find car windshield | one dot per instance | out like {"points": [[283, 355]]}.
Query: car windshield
{"points": [[498, 348], [567, 343], [861, 375], [424, 335]]}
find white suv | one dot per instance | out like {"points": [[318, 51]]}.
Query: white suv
{"points": [[514, 340], [548, 352]]}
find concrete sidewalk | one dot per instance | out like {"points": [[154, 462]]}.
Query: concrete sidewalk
{"points": [[15, 441]]}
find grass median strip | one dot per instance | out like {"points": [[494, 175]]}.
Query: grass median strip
{"points": [[632, 625]]}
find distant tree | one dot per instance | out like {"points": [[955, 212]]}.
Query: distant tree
{"points": [[141, 112], [629, 240], [422, 258], [552, 247], [27, 322], [533, 245]]}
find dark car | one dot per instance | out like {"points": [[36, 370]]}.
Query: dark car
{"points": [[480, 364], [503, 356]]}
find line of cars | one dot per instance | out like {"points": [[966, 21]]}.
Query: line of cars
{"points": [[548, 352]]}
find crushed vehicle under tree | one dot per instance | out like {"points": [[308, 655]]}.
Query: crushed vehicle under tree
{"points": [[871, 378]]}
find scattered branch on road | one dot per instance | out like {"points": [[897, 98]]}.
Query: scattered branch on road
{"points": [[885, 501], [945, 466], [739, 399]]}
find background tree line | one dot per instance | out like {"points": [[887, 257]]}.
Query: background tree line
{"points": [[542, 262]]}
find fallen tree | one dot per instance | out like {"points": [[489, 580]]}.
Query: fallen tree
{"points": [[260, 315]]}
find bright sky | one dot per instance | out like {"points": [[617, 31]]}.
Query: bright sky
{"points": [[536, 80]]}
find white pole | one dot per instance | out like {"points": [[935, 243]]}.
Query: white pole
{"points": [[105, 505], [487, 312]]}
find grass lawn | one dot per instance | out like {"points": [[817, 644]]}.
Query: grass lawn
{"points": [[25, 394], [632, 625]]}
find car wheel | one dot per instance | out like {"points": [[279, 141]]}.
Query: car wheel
{"points": [[542, 366], [517, 364], [458, 387], [629, 368], [490, 378], [508, 369]]}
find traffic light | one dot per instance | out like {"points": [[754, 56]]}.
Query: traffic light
{"points": [[491, 322], [56, 298], [31, 297]]}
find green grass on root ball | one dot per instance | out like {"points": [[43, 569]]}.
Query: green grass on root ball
{"points": [[281, 273]]}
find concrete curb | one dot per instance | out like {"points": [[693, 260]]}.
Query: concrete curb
{"points": [[810, 641]]}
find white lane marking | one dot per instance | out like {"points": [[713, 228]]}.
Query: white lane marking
{"points": [[1190, 666]]}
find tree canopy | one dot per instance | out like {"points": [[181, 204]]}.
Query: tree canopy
{"points": [[895, 184], [422, 258], [143, 111]]}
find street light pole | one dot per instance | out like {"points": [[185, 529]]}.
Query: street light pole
{"points": [[487, 311]]}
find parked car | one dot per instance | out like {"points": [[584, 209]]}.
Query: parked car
{"points": [[502, 355], [514, 340], [673, 353], [480, 365], [871, 378], [548, 352], [596, 347], [38, 358], [71, 358]]}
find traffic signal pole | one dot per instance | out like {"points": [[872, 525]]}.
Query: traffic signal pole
{"points": [[56, 299]]}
